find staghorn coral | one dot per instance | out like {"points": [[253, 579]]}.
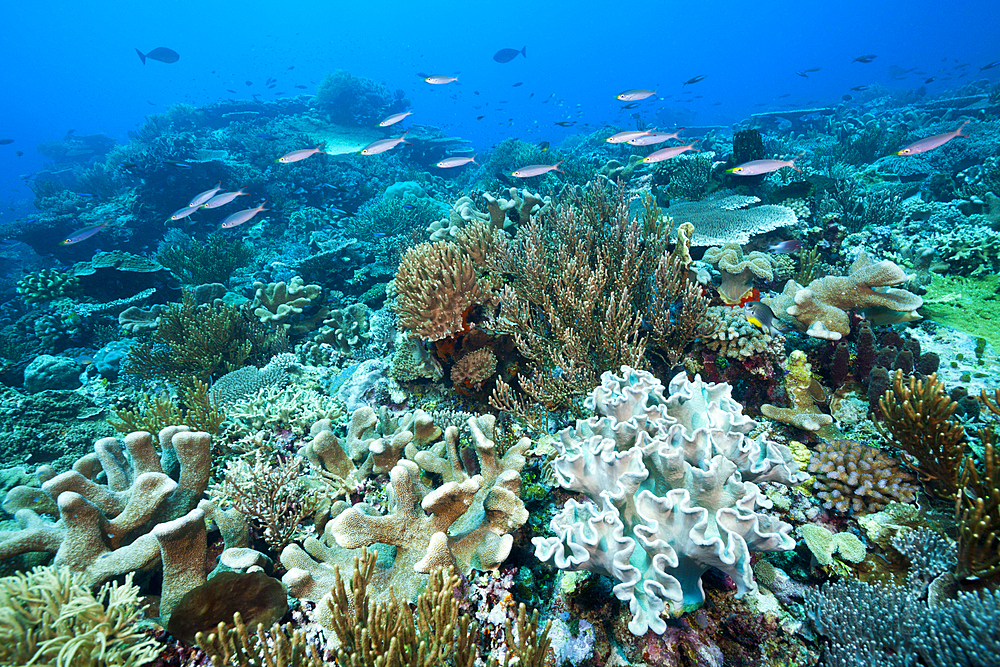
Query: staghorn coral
{"points": [[284, 304], [436, 284], [854, 478], [822, 306], [50, 617], [671, 486], [916, 417], [730, 219], [803, 392], [738, 272]]}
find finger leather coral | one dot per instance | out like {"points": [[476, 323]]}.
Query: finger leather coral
{"points": [[671, 488]]}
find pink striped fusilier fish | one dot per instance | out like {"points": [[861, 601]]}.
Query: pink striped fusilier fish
{"points": [[395, 118], [205, 196], [757, 167], [438, 79], [536, 170], [635, 95], [667, 153], [223, 199], [651, 138], [240, 217], [931, 143], [382, 145], [184, 212], [295, 156], [450, 162], [626, 136], [83, 234]]}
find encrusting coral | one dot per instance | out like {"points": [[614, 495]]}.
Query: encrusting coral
{"points": [[671, 487], [822, 306]]}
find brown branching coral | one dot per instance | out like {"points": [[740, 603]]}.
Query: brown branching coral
{"points": [[277, 646], [194, 341], [270, 494], [580, 285], [372, 634], [977, 509], [916, 417], [194, 408]]}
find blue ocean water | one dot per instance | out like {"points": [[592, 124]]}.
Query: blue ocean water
{"points": [[73, 65]]}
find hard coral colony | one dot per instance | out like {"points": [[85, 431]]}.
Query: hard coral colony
{"points": [[443, 396]]}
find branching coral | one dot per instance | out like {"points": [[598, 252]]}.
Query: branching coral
{"points": [[196, 341], [856, 478], [212, 261], [977, 509], [49, 616], [194, 408], [916, 417]]}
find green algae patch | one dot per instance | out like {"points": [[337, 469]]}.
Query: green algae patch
{"points": [[971, 305]]}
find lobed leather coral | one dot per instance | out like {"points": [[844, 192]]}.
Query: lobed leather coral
{"points": [[284, 304], [738, 271], [671, 490], [436, 284], [822, 306], [465, 522]]}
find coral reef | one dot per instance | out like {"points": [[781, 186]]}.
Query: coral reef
{"points": [[738, 272], [284, 305], [856, 478], [671, 487]]}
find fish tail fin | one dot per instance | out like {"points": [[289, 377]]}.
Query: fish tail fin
{"points": [[475, 154], [524, 51], [556, 166], [142, 56], [958, 132], [792, 165]]}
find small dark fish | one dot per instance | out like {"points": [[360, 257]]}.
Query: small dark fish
{"points": [[519, 83], [301, 87], [564, 123], [229, 90], [930, 80], [291, 67], [409, 207], [694, 79], [859, 88], [19, 153], [784, 95], [4, 142], [161, 53], [249, 83], [812, 69], [846, 98], [543, 146], [152, 104], [785, 247], [717, 104], [84, 194], [480, 117], [506, 55], [867, 58], [175, 163], [272, 86], [803, 75], [995, 63], [631, 105]]}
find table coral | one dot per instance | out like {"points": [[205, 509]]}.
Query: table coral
{"points": [[671, 486]]}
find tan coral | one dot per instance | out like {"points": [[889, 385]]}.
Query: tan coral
{"points": [[436, 284], [803, 392], [822, 306]]}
